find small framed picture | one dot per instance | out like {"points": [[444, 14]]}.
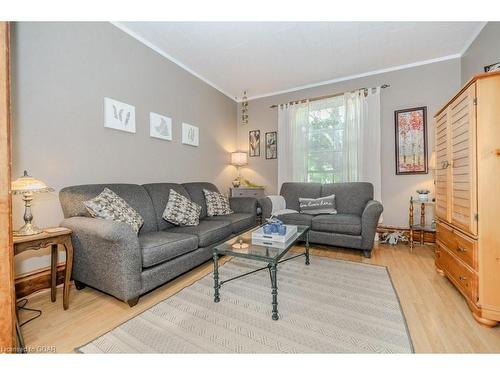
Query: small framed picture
{"points": [[160, 126], [119, 116], [492, 68], [254, 143], [190, 135], [411, 141], [271, 145]]}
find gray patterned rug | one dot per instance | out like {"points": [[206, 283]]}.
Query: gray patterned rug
{"points": [[331, 306]]}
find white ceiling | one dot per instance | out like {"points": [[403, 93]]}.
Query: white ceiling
{"points": [[265, 58]]}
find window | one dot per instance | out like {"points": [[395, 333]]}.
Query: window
{"points": [[324, 135]]}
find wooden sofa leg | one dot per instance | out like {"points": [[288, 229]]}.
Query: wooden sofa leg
{"points": [[367, 253], [132, 302], [79, 285]]}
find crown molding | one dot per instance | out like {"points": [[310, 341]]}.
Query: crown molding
{"points": [[361, 75], [158, 50]]}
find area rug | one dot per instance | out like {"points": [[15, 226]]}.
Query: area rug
{"points": [[330, 306]]}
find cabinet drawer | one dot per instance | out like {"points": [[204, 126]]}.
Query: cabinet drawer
{"points": [[464, 278], [463, 247], [252, 193], [444, 234]]}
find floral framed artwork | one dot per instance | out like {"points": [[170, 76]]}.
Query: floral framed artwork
{"points": [[254, 143], [411, 141]]}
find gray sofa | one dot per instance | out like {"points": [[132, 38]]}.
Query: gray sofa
{"points": [[355, 224], [111, 257]]}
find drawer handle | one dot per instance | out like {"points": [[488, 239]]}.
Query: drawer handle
{"points": [[462, 278], [462, 249]]}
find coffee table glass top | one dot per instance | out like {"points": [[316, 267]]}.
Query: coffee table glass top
{"points": [[260, 250]]}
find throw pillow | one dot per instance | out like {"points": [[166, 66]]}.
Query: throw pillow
{"points": [[108, 205], [323, 205], [217, 204], [181, 210]]}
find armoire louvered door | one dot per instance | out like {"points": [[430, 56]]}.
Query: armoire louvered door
{"points": [[468, 195], [462, 128], [442, 163]]}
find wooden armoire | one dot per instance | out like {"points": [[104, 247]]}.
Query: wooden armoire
{"points": [[467, 146]]}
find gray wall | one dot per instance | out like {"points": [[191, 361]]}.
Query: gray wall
{"points": [[60, 74], [485, 50], [429, 85]]}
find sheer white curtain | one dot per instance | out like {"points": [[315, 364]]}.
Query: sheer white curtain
{"points": [[335, 139], [361, 147], [293, 125]]}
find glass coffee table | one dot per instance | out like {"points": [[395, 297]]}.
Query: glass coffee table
{"points": [[267, 252]]}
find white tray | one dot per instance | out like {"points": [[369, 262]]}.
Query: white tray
{"points": [[259, 235]]}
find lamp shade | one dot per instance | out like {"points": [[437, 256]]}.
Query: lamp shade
{"points": [[26, 184], [239, 158]]}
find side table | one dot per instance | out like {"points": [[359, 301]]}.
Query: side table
{"points": [[251, 192], [50, 237], [422, 227]]}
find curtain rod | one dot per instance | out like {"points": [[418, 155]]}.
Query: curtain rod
{"points": [[384, 86]]}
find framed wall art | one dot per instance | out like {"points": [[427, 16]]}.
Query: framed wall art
{"points": [[160, 126], [272, 145], [254, 143], [119, 116], [411, 141], [190, 135]]}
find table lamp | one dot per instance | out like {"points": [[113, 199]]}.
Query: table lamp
{"points": [[238, 159], [27, 185]]}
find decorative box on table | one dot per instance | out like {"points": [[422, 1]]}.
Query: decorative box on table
{"points": [[259, 235]]}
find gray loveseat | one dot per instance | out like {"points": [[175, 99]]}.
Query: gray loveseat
{"points": [[111, 257], [355, 224]]}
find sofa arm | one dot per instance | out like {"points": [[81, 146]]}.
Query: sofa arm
{"points": [[266, 206], [107, 256], [242, 205], [369, 222]]}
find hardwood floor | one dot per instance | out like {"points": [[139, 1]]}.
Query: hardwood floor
{"points": [[438, 317]]}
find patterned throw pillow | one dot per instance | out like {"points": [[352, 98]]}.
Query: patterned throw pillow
{"points": [[217, 204], [181, 211], [110, 206]]}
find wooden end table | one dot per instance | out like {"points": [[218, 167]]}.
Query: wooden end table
{"points": [[422, 227], [50, 237]]}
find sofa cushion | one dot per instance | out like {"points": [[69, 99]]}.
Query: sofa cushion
{"points": [[181, 210], [208, 231], [108, 205], [159, 247], [239, 221], [72, 198], [339, 223], [195, 190], [159, 193], [296, 219], [217, 204], [292, 191], [350, 197]]}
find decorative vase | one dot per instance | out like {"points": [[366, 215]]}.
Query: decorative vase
{"points": [[282, 230]]}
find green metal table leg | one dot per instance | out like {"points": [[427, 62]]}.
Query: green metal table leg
{"points": [[274, 290], [307, 248], [216, 277]]}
